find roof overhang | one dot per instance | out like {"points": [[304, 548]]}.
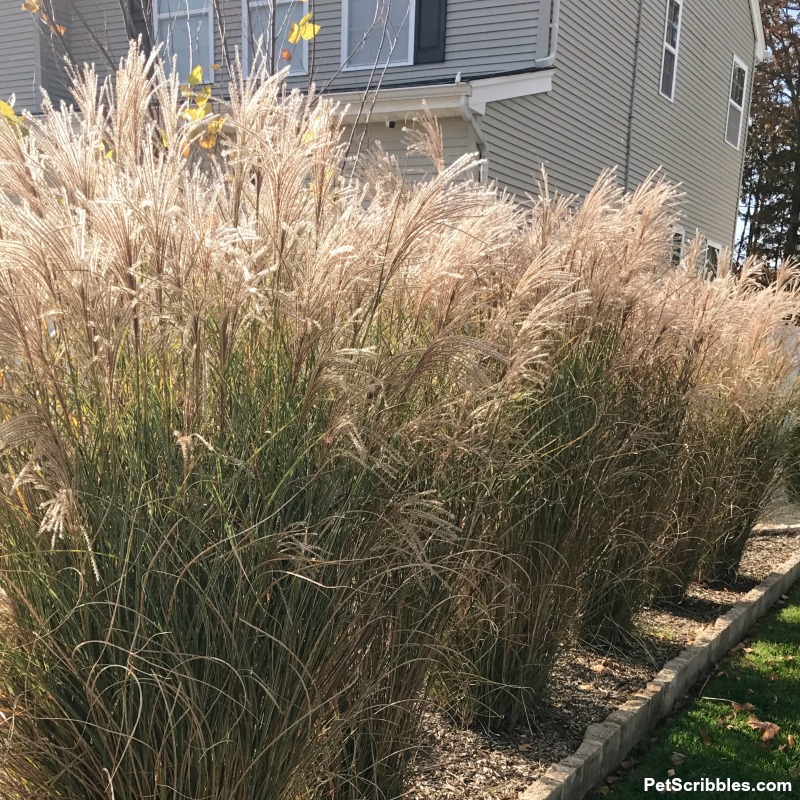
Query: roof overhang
{"points": [[758, 26], [444, 100]]}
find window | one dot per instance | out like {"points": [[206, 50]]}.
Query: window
{"points": [[678, 240], [733, 128], [286, 12], [186, 29], [377, 33], [672, 41], [711, 261]]}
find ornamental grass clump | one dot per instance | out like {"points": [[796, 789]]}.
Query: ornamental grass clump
{"points": [[232, 382]]}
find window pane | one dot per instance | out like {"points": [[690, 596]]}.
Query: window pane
{"points": [[188, 39], [378, 32], [677, 248], [734, 125], [712, 263], [737, 85], [286, 14], [181, 6], [668, 73], [673, 23]]}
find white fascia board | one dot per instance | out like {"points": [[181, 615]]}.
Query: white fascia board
{"points": [[444, 100], [489, 90], [761, 45], [396, 103]]}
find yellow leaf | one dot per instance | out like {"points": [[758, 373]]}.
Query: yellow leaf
{"points": [[194, 114], [309, 30], [215, 66], [109, 154], [306, 18], [294, 34], [208, 140], [7, 111], [59, 29], [209, 137], [195, 76], [185, 150], [203, 96], [164, 139], [32, 5], [186, 91], [286, 54]]}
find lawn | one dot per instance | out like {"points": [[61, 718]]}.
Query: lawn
{"points": [[742, 726]]}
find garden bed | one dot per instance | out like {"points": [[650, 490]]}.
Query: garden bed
{"points": [[587, 685]]}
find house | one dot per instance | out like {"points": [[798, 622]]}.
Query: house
{"points": [[573, 85]]}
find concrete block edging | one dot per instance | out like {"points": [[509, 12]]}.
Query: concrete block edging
{"points": [[606, 744]]}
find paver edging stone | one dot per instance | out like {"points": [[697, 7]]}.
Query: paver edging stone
{"points": [[606, 744]]}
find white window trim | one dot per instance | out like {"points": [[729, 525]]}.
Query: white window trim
{"points": [[675, 50], [207, 11], [246, 6], [737, 62], [345, 54]]}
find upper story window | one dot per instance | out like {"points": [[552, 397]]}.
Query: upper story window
{"points": [[733, 128], [186, 28], [672, 42], [380, 33], [284, 52], [377, 33]]}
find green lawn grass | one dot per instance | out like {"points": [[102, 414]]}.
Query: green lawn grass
{"points": [[712, 738]]}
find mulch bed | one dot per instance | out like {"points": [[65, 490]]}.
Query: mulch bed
{"points": [[471, 764]]}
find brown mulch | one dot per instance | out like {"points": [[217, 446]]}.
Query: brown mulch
{"points": [[471, 764]]}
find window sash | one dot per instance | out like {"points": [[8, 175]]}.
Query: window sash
{"points": [[180, 13], [401, 54], [299, 62], [735, 119], [672, 42]]}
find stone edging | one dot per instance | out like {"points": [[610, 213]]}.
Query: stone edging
{"points": [[606, 744]]}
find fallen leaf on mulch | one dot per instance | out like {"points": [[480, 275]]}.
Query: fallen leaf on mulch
{"points": [[790, 740], [773, 676], [738, 707], [768, 729], [629, 764], [523, 748], [677, 758], [705, 737], [604, 790], [599, 668]]}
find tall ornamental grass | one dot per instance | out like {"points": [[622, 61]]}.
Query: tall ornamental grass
{"points": [[292, 450]]}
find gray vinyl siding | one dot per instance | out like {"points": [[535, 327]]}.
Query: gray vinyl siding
{"points": [[687, 136], [20, 57], [482, 36], [457, 139], [580, 128]]}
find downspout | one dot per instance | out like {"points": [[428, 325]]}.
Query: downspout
{"points": [[555, 25], [483, 146], [629, 137]]}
